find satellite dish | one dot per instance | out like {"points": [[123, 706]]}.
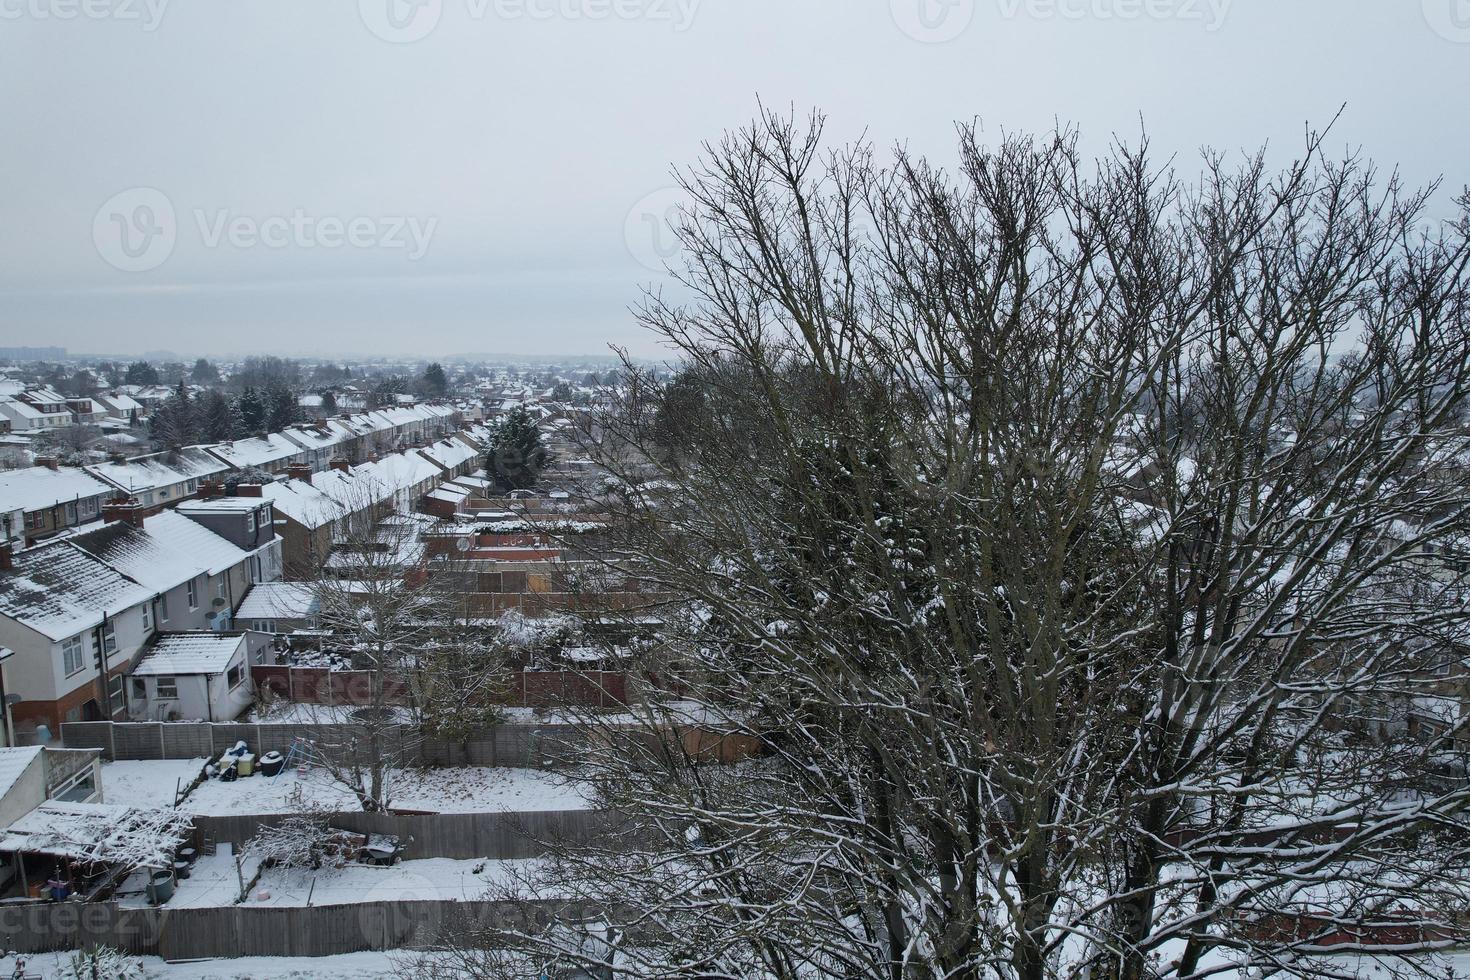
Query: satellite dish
{"points": [[463, 544]]}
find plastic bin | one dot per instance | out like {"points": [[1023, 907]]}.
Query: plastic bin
{"points": [[246, 763]]}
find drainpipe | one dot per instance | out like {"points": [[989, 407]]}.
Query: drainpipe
{"points": [[99, 635]]}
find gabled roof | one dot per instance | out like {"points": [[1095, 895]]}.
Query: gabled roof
{"points": [[59, 590], [257, 451], [39, 487]]}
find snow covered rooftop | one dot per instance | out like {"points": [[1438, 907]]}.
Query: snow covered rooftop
{"points": [[258, 451], [278, 600], [14, 762], [39, 487], [59, 590], [190, 653]]}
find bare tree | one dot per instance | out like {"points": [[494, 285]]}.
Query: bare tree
{"points": [[1062, 533]]}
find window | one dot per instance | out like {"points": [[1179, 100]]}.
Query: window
{"points": [[235, 676], [109, 637], [35, 519], [148, 616], [250, 523], [166, 688], [254, 568], [79, 789], [71, 513], [115, 692], [219, 586], [163, 607], [71, 656], [193, 594], [264, 625]]}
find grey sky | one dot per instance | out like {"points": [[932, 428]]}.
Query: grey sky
{"points": [[513, 142]]}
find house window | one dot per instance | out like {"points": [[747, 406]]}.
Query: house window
{"points": [[254, 568], [250, 523], [264, 625], [79, 789], [71, 656], [35, 519], [163, 607], [219, 586], [71, 513], [115, 692], [166, 688], [193, 594], [109, 637], [235, 676], [147, 617]]}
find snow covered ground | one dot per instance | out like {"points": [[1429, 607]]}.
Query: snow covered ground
{"points": [[147, 783], [459, 790], [349, 966], [431, 879]]}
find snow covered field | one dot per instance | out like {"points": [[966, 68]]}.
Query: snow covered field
{"points": [[458, 790]]}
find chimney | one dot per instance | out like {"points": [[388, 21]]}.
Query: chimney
{"points": [[209, 489], [341, 465], [248, 490], [299, 471], [7, 556], [124, 509], [50, 462]]}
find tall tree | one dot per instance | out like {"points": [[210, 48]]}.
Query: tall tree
{"points": [[204, 373], [514, 455], [219, 418], [140, 373], [283, 408], [1071, 544], [329, 402], [176, 423], [434, 382], [253, 410]]}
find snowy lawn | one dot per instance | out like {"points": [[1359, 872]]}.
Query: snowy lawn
{"points": [[431, 879], [348, 966], [147, 783], [461, 790]]}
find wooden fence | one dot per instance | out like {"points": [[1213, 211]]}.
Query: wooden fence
{"points": [[526, 746], [245, 930], [527, 688], [463, 836]]}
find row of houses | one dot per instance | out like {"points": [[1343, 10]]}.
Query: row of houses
{"points": [[30, 409], [39, 502], [85, 618]]}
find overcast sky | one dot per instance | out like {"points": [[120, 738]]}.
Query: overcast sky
{"points": [[330, 176]]}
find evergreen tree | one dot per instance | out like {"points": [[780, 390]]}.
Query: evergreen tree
{"points": [[252, 411], [515, 455], [282, 408], [434, 382], [141, 373], [329, 403], [204, 373], [219, 420], [174, 425]]}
